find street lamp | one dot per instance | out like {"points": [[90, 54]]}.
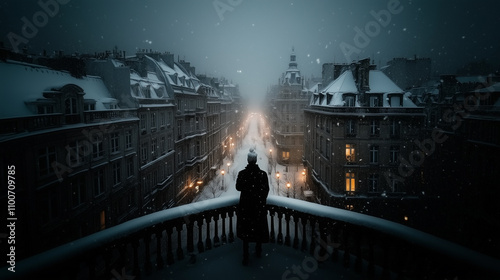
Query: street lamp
{"points": [[222, 172], [228, 164], [288, 185], [278, 179]]}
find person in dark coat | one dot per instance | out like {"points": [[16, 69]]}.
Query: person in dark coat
{"points": [[252, 213]]}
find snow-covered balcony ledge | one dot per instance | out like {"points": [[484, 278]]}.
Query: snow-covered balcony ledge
{"points": [[367, 244]]}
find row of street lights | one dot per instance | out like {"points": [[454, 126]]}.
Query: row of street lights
{"points": [[222, 172]]}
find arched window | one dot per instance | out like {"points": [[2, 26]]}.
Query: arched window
{"points": [[70, 106]]}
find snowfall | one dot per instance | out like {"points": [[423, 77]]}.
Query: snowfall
{"points": [[277, 261]]}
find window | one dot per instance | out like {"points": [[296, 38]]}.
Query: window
{"points": [[374, 154], [89, 107], [97, 148], [116, 173], [163, 145], [375, 128], [130, 167], [373, 182], [154, 146], [350, 182], [394, 154], [76, 152], [102, 220], [395, 128], [70, 106], [143, 121], [144, 152], [350, 128], [99, 182], [350, 153], [285, 155], [162, 119], [375, 101], [46, 157], [349, 100], [77, 193], [179, 129], [45, 109], [153, 121], [128, 139], [115, 142], [396, 101]]}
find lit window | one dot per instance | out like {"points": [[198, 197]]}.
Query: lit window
{"points": [[286, 155], [350, 182], [350, 153]]}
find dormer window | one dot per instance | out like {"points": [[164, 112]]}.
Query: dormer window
{"points": [[395, 100], [70, 106], [349, 100], [375, 100]]}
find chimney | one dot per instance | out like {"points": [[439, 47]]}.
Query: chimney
{"points": [[169, 59]]}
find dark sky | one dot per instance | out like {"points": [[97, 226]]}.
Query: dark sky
{"points": [[249, 41]]}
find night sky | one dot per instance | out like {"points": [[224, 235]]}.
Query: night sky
{"points": [[249, 41]]}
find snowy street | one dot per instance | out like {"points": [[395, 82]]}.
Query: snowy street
{"points": [[224, 184]]}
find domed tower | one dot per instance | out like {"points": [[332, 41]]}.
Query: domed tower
{"points": [[292, 75]]}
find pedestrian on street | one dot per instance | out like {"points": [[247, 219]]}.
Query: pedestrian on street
{"points": [[252, 213]]}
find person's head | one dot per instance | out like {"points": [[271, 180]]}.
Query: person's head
{"points": [[252, 156]]}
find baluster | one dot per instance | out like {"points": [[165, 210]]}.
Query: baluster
{"points": [[312, 245], [107, 259], [386, 269], [345, 241], [147, 263], [287, 237], [304, 233], [223, 236], [135, 246], [199, 222], [357, 240], [216, 232], [180, 253], [323, 242], [170, 253], [91, 265], [159, 258], [296, 231], [190, 235], [272, 234], [122, 250], [208, 241], [280, 230], [231, 233], [334, 235]]}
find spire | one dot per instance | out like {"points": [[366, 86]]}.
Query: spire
{"points": [[293, 61]]}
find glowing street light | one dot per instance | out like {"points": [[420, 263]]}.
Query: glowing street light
{"points": [[288, 185], [278, 179], [228, 164], [222, 172]]}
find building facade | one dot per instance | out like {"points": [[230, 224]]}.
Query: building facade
{"points": [[287, 101], [358, 138], [74, 151]]}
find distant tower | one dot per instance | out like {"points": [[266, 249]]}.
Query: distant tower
{"points": [[292, 74]]}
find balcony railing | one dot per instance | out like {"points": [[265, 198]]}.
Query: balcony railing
{"points": [[364, 243]]}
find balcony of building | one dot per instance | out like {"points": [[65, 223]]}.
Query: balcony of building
{"points": [[308, 241]]}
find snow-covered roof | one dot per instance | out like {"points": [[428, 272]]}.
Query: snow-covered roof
{"points": [[334, 93], [22, 82], [147, 87], [177, 76]]}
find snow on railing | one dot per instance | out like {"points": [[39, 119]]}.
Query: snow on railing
{"points": [[355, 233]]}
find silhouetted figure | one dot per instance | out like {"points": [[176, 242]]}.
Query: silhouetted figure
{"points": [[252, 213]]}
